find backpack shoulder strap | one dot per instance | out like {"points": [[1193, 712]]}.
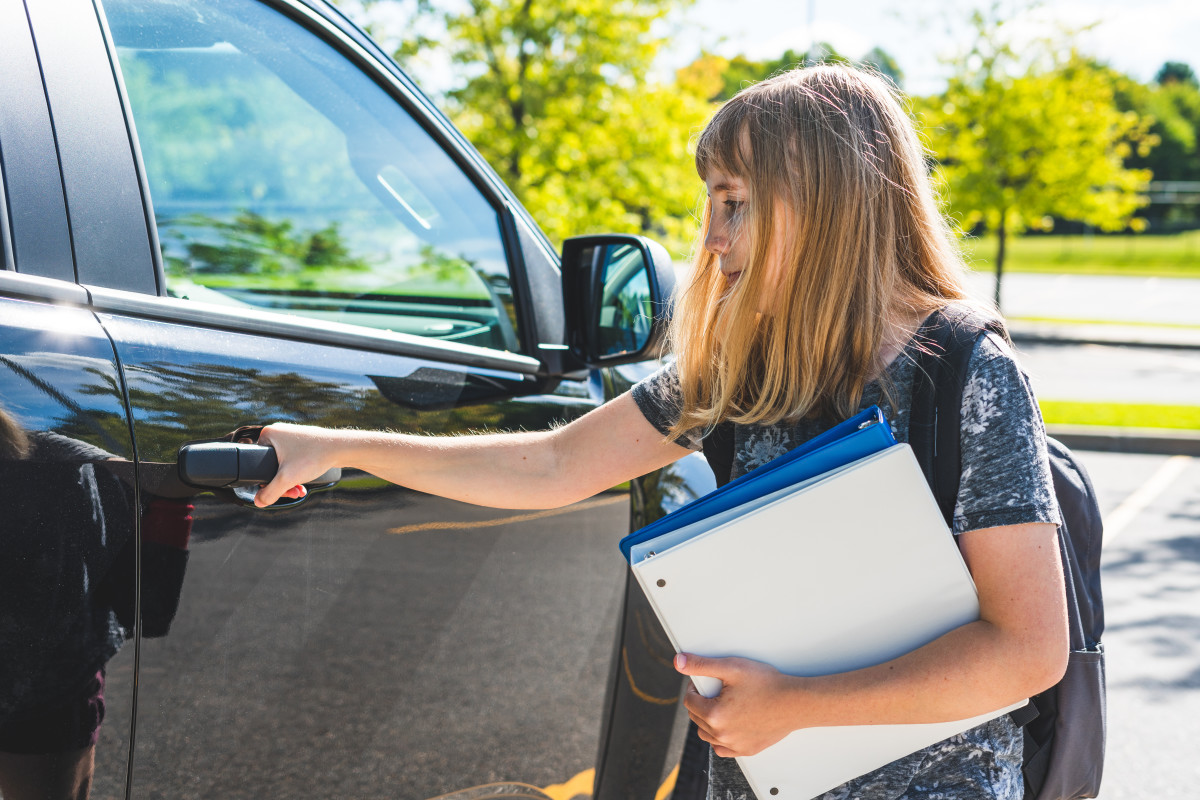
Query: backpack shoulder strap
{"points": [[718, 450], [947, 340]]}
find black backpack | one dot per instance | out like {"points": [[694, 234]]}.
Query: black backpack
{"points": [[1065, 725], [1064, 740]]}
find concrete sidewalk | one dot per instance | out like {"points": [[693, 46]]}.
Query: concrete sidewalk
{"points": [[1164, 337], [1155, 441], [1161, 441]]}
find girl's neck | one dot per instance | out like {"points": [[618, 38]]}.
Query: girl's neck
{"points": [[903, 323]]}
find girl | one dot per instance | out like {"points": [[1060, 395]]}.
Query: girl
{"points": [[823, 251]]}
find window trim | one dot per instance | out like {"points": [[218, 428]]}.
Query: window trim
{"points": [[494, 193], [7, 257], [22, 286], [262, 323], [306, 329]]}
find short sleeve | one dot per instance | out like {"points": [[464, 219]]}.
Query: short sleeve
{"points": [[1005, 469], [660, 400]]}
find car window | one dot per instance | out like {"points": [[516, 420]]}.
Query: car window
{"points": [[284, 178]]}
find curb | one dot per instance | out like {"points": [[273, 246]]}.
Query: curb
{"points": [[1112, 335], [1127, 440]]}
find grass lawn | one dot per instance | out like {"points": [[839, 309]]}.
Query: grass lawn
{"points": [[1121, 415], [1183, 326], [1175, 255]]}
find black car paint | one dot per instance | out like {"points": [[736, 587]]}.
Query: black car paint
{"points": [[337, 647]]}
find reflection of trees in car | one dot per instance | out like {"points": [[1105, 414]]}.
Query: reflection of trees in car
{"points": [[78, 422], [238, 119], [251, 244], [197, 398], [274, 263]]}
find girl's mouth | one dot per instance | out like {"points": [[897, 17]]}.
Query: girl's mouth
{"points": [[732, 277]]}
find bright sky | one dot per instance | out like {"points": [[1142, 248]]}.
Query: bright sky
{"points": [[1134, 36]]}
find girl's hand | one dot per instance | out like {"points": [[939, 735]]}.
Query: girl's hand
{"points": [[754, 710], [304, 453]]}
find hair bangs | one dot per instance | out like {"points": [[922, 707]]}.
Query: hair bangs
{"points": [[723, 144]]}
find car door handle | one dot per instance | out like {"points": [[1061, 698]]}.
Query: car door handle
{"points": [[220, 465]]}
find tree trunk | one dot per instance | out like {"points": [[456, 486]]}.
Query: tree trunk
{"points": [[1002, 237]]}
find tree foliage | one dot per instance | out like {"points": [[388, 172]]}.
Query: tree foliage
{"points": [[555, 95], [1022, 140], [1175, 72], [1172, 105], [738, 72]]}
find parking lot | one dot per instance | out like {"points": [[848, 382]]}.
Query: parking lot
{"points": [[1151, 576]]}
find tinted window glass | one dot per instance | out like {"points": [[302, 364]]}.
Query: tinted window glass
{"points": [[284, 178]]}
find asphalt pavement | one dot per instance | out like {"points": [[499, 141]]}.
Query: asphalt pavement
{"points": [[1151, 584]]}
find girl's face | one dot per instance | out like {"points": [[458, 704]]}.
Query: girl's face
{"points": [[727, 196], [727, 227]]}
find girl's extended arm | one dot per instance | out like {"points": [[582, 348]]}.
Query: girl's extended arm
{"points": [[543, 469], [1016, 649]]}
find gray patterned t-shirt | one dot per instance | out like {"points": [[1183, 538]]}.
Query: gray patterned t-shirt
{"points": [[1005, 481]]}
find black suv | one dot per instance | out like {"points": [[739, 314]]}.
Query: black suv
{"points": [[216, 214]]}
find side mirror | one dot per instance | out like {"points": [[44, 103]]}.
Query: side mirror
{"points": [[617, 289]]}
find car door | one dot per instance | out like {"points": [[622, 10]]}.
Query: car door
{"points": [[272, 225], [68, 496]]}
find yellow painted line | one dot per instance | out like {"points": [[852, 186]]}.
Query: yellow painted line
{"points": [[668, 786], [1143, 496], [491, 523], [580, 785], [495, 791], [649, 698]]}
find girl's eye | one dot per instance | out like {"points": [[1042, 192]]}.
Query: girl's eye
{"points": [[734, 206]]}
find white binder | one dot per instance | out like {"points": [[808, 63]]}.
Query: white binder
{"points": [[847, 570]]}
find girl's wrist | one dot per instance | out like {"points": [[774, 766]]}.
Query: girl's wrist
{"points": [[809, 704]]}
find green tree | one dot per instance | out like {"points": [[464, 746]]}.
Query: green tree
{"points": [[738, 72], [1172, 104], [555, 95], [882, 62], [1175, 72], [1020, 141]]}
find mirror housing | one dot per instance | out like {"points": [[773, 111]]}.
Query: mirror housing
{"points": [[617, 291]]}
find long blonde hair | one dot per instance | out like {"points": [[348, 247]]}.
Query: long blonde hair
{"points": [[14, 442], [829, 150]]}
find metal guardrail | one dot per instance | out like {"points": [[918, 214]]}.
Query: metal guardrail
{"points": [[1174, 192]]}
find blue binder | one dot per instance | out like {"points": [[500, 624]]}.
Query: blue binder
{"points": [[864, 434]]}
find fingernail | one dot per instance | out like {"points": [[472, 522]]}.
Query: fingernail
{"points": [[680, 661]]}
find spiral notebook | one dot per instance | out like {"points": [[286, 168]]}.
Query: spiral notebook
{"points": [[842, 570]]}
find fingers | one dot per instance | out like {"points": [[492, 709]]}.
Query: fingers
{"points": [[269, 493], [289, 446], [723, 668], [280, 486], [718, 746], [697, 704], [744, 716]]}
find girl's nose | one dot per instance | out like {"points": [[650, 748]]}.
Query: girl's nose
{"points": [[717, 241]]}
